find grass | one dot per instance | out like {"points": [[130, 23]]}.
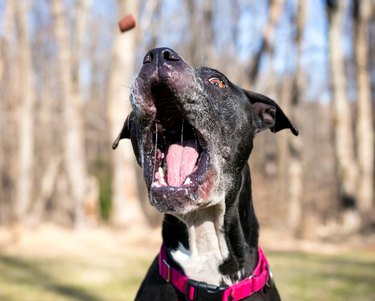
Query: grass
{"points": [[320, 277], [70, 278], [298, 276]]}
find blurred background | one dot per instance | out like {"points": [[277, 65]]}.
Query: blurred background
{"points": [[66, 198]]}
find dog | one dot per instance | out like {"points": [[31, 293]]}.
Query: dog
{"points": [[192, 133]]}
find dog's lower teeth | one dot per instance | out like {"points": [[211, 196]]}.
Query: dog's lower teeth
{"points": [[161, 172], [187, 181], [156, 184]]}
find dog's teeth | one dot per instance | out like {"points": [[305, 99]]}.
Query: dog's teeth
{"points": [[187, 181], [155, 184], [161, 173], [162, 177]]}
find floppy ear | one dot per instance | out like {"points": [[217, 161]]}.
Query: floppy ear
{"points": [[267, 114], [125, 131]]}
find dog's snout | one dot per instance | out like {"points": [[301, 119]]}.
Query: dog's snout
{"points": [[161, 54]]}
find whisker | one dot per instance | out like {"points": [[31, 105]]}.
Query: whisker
{"points": [[126, 86]]}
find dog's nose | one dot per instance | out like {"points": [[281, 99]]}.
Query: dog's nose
{"points": [[161, 54]]}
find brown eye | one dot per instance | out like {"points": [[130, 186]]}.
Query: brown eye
{"points": [[217, 82]]}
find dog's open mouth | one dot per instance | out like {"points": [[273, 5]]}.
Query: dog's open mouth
{"points": [[178, 153]]}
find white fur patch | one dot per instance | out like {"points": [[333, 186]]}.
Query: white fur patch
{"points": [[208, 248]]}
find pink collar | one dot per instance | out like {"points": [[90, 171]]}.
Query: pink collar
{"points": [[195, 290]]}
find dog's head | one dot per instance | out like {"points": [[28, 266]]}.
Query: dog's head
{"points": [[192, 130]]}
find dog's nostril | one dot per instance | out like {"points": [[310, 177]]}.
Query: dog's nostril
{"points": [[160, 55], [169, 55], [148, 58]]}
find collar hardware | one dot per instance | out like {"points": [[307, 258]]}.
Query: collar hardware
{"points": [[193, 290], [168, 279], [203, 291]]}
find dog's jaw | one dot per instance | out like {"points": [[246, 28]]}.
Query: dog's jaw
{"points": [[207, 245]]}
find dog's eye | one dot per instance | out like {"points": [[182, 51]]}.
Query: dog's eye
{"points": [[217, 82]]}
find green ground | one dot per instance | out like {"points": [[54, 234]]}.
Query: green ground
{"points": [[112, 278]]}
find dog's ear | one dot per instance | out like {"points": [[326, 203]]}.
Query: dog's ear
{"points": [[268, 115], [125, 131]]}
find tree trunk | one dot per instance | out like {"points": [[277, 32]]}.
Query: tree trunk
{"points": [[126, 209], [201, 41], [295, 145], [10, 94], [80, 25], [25, 117], [151, 11], [275, 11], [74, 153], [342, 127], [364, 125]]}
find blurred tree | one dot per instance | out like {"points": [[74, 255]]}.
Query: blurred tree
{"points": [[26, 116], [10, 94], [150, 14], [74, 153], [364, 125], [201, 32], [276, 8], [125, 205], [342, 118], [295, 145]]}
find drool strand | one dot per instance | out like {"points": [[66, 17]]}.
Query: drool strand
{"points": [[195, 139], [155, 154], [182, 132]]}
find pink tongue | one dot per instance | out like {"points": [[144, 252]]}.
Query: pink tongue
{"points": [[180, 162]]}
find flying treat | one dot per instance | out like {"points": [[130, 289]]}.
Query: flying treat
{"points": [[126, 23]]}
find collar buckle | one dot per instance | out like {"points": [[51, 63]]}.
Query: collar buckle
{"points": [[168, 279], [202, 291], [270, 281]]}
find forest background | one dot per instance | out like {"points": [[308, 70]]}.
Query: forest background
{"points": [[65, 77]]}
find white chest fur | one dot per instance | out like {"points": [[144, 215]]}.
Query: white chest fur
{"points": [[208, 248]]}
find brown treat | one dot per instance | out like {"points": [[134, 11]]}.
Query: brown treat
{"points": [[126, 23]]}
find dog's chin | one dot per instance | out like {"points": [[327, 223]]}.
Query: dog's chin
{"points": [[182, 199], [191, 195], [177, 206], [172, 203]]}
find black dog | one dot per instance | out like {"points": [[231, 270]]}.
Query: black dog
{"points": [[192, 132]]}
